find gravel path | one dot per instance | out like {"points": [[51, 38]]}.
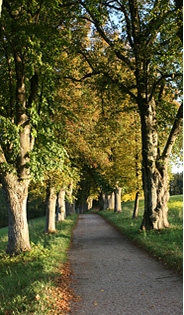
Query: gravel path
{"points": [[115, 277]]}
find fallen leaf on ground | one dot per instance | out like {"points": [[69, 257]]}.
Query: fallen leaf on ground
{"points": [[61, 294]]}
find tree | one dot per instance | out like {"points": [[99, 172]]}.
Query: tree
{"points": [[27, 80], [117, 194], [176, 184], [50, 209], [61, 209], [146, 45]]}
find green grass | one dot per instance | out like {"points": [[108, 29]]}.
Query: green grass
{"points": [[25, 277], [167, 244]]}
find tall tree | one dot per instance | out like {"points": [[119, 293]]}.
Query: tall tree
{"points": [[28, 31], [145, 44]]}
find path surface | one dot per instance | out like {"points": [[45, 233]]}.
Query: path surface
{"points": [[115, 277]]}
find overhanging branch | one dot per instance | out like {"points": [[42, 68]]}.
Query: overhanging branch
{"points": [[160, 80], [173, 134]]}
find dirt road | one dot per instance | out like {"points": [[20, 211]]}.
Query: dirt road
{"points": [[115, 277]]}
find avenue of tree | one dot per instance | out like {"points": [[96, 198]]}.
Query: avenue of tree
{"points": [[90, 107]]}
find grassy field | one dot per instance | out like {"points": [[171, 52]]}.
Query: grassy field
{"points": [[167, 244], [26, 279]]}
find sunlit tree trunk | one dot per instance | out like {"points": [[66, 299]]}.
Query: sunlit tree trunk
{"points": [[61, 209], [16, 193], [50, 210], [117, 198], [89, 203], [136, 206], [110, 201], [155, 175]]}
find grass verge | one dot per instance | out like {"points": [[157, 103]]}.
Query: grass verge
{"points": [[27, 280], [167, 244]]}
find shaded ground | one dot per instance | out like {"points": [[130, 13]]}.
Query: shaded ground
{"points": [[112, 276]]}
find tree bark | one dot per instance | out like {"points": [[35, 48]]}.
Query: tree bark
{"points": [[110, 201], [70, 202], [104, 201], [89, 203], [155, 175], [136, 206], [16, 186], [16, 193], [50, 210], [61, 209], [117, 195], [83, 206]]}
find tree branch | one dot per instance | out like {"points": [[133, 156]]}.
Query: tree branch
{"points": [[115, 81], [128, 24], [106, 39], [173, 134], [2, 156], [88, 75], [163, 77]]}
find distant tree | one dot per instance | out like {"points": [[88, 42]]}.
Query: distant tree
{"points": [[176, 184]]}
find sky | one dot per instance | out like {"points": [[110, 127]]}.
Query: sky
{"points": [[177, 168]]}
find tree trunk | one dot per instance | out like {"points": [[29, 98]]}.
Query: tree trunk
{"points": [[89, 203], [50, 210], [83, 206], [16, 187], [151, 175], [117, 199], [16, 193], [154, 170], [156, 197], [105, 201], [136, 206], [61, 209], [70, 203], [110, 201]]}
